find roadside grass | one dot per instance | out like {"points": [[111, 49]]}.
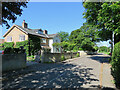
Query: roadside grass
{"points": [[31, 58], [104, 52]]}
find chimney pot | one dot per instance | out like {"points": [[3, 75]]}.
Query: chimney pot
{"points": [[45, 32], [24, 24]]}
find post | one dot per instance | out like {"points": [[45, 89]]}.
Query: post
{"points": [[113, 41]]}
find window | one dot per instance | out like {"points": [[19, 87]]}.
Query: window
{"points": [[21, 37], [40, 32], [9, 39], [43, 40]]}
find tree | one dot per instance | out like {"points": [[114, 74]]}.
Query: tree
{"points": [[87, 45], [64, 36], [105, 16], [10, 11], [85, 32]]}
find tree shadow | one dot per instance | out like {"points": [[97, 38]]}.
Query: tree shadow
{"points": [[59, 75], [101, 59]]}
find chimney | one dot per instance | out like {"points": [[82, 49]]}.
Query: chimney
{"points": [[45, 32], [24, 24]]}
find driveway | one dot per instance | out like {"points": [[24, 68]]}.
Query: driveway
{"points": [[83, 72]]}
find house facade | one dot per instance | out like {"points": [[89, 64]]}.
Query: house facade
{"points": [[1, 41], [21, 33]]}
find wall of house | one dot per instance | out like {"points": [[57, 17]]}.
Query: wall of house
{"points": [[50, 44], [13, 61], [15, 32], [2, 41], [47, 42], [56, 38]]}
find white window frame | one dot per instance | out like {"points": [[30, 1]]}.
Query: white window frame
{"points": [[9, 38], [21, 37]]}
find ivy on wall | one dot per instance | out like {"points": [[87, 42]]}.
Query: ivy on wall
{"points": [[32, 45]]}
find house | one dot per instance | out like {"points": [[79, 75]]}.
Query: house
{"points": [[21, 33], [1, 41]]}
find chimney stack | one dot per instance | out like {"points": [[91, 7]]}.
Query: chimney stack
{"points": [[45, 32], [24, 24]]}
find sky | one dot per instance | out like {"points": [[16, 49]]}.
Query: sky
{"points": [[51, 16]]}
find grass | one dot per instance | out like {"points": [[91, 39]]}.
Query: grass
{"points": [[30, 58], [104, 52]]}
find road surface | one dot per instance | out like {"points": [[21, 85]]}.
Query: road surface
{"points": [[82, 72]]}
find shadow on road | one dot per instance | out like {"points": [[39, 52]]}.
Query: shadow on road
{"points": [[48, 76], [100, 58]]}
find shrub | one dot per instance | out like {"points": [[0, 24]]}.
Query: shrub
{"points": [[116, 64], [7, 45], [62, 58], [78, 55], [24, 44], [10, 50]]}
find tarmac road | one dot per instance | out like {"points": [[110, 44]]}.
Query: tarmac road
{"points": [[82, 72]]}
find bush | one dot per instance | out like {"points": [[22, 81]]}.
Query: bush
{"points": [[116, 64], [78, 55], [62, 58], [13, 50], [7, 45], [24, 44]]}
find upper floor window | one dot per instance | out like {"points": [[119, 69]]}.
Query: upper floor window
{"points": [[43, 40], [40, 32], [9, 38], [21, 37]]}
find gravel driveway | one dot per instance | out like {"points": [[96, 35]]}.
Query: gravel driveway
{"points": [[83, 72]]}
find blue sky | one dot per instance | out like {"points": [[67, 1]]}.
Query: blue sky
{"points": [[52, 16]]}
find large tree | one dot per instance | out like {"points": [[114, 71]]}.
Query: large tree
{"points": [[10, 11], [86, 33], [64, 36], [105, 16]]}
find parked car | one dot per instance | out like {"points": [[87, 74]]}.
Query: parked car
{"points": [[1, 52]]}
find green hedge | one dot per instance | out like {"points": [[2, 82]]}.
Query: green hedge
{"points": [[24, 44], [116, 64], [8, 45]]}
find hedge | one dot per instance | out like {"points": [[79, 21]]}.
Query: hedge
{"points": [[116, 64], [8, 45], [24, 44]]}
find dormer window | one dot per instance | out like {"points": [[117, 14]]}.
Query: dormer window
{"points": [[40, 32]]}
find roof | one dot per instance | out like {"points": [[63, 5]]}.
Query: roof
{"points": [[51, 35], [46, 47], [1, 40], [30, 31]]}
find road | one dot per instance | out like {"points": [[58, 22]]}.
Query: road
{"points": [[82, 72]]}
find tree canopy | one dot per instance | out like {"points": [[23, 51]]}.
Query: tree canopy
{"points": [[105, 16], [64, 36], [10, 11], [85, 37]]}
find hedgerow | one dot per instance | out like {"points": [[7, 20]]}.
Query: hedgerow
{"points": [[116, 64]]}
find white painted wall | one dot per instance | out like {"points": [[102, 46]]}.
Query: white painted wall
{"points": [[50, 44], [51, 41], [56, 39]]}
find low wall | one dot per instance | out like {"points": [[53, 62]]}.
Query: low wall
{"points": [[13, 61], [56, 57], [82, 53]]}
